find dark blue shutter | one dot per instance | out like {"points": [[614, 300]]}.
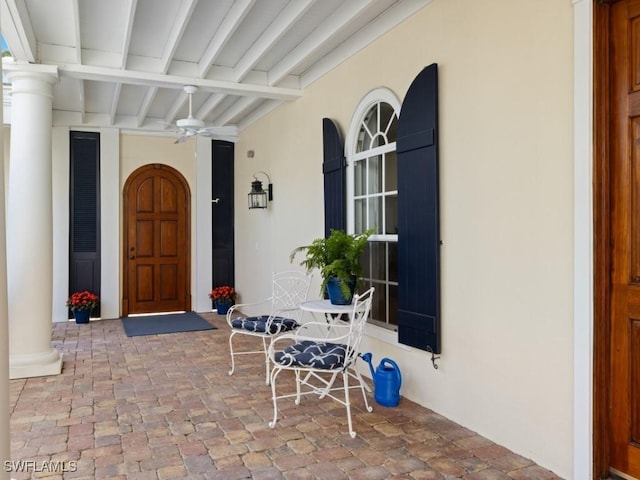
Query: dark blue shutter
{"points": [[84, 215], [418, 223], [222, 226], [333, 168]]}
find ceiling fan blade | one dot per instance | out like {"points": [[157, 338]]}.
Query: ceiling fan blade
{"points": [[226, 138], [215, 136], [165, 125], [184, 135], [226, 130]]}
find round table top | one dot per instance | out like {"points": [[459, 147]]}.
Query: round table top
{"points": [[325, 306]]}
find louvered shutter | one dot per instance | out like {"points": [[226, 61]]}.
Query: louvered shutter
{"points": [[418, 223], [333, 168], [84, 228]]}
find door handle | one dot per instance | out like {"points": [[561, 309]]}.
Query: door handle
{"points": [[215, 200], [132, 257]]}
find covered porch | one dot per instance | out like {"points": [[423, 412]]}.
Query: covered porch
{"points": [[517, 299]]}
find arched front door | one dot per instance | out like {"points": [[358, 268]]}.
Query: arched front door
{"points": [[156, 213]]}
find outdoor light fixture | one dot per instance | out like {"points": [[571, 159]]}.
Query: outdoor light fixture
{"points": [[257, 196]]}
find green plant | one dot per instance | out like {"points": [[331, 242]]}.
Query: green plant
{"points": [[337, 256]]}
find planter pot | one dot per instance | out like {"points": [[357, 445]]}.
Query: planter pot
{"points": [[82, 316], [222, 307], [336, 295]]}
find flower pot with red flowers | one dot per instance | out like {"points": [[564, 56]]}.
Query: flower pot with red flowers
{"points": [[81, 305], [223, 298]]}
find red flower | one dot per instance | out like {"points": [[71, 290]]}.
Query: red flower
{"points": [[223, 293], [82, 301]]}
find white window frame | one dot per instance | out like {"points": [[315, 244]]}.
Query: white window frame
{"points": [[376, 96]]}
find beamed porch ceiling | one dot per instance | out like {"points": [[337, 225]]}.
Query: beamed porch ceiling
{"points": [[124, 63]]}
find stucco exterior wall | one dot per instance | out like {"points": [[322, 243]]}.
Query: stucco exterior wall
{"points": [[506, 210]]}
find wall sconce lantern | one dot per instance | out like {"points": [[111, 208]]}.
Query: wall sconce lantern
{"points": [[257, 196]]}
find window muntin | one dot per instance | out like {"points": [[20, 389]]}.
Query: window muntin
{"points": [[380, 262]]}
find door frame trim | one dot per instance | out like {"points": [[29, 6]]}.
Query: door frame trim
{"points": [[125, 230], [601, 239]]}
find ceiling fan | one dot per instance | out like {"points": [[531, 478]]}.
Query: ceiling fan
{"points": [[189, 127]]}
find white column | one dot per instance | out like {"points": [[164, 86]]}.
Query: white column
{"points": [[203, 243], [30, 225], [110, 193], [5, 448], [60, 207], [582, 240]]}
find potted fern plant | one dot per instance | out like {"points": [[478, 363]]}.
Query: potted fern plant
{"points": [[338, 259]]}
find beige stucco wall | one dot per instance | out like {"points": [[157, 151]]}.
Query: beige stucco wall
{"points": [[139, 150], [505, 73]]}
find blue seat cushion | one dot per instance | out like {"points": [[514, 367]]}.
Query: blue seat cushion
{"points": [[259, 324], [313, 354]]}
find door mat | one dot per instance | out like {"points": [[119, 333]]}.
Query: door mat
{"points": [[168, 323]]}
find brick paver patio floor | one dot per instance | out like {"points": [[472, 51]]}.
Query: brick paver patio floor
{"points": [[163, 407]]}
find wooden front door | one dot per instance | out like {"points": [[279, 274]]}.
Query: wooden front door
{"points": [[156, 202], [624, 344]]}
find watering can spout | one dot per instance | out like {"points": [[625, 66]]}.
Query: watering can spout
{"points": [[367, 358]]}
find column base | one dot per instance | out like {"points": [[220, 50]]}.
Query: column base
{"points": [[35, 365]]}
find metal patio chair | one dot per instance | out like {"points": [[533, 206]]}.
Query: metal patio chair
{"points": [[270, 317], [319, 352]]}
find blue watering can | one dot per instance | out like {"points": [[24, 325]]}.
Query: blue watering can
{"points": [[387, 381]]}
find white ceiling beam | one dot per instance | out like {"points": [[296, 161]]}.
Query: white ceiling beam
{"points": [[81, 93], [179, 26], [284, 21], [339, 19], [237, 108], [229, 25], [104, 74], [207, 107], [262, 45], [17, 30], [124, 55], [177, 31], [259, 112], [75, 11], [378, 27], [146, 105], [126, 41], [173, 110], [114, 103]]}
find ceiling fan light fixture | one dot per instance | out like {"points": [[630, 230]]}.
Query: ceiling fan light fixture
{"points": [[190, 123]]}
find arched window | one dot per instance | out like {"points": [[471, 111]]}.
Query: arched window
{"points": [[372, 196]]}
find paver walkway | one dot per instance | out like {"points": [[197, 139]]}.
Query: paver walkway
{"points": [[163, 407]]}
